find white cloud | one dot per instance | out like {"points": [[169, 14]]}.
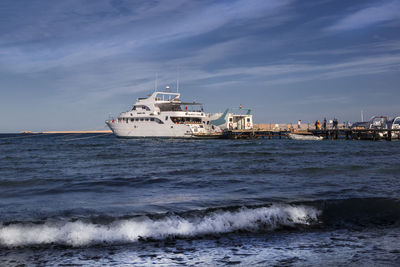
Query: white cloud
{"points": [[224, 78], [385, 12], [386, 46], [148, 24]]}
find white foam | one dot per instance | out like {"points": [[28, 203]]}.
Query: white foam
{"points": [[79, 233]]}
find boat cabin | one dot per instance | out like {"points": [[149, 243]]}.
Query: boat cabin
{"points": [[233, 119]]}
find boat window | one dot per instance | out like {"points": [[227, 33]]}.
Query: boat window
{"points": [[147, 119], [248, 119], [230, 119], [126, 120], [119, 119], [377, 122], [152, 119], [166, 118], [141, 107], [169, 107], [186, 120], [146, 108], [141, 119], [132, 119], [136, 119], [201, 126]]}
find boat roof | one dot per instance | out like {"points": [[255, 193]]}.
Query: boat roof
{"points": [[189, 103], [176, 95], [166, 93]]}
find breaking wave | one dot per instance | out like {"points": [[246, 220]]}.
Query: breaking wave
{"points": [[80, 233]]}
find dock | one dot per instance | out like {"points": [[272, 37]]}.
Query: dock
{"points": [[275, 133], [358, 134], [78, 132], [254, 134], [331, 134], [69, 132]]}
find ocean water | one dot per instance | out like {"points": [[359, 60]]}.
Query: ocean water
{"points": [[90, 200]]}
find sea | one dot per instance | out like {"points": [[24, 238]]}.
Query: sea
{"points": [[96, 200]]}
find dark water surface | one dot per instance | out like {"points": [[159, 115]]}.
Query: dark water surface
{"points": [[97, 200]]}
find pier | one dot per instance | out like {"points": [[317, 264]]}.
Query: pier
{"points": [[330, 134], [358, 134], [69, 132], [276, 133], [254, 134]]}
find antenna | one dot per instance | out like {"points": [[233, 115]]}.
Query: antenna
{"points": [[177, 80], [362, 116], [155, 82]]}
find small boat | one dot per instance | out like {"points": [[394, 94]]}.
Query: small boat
{"points": [[395, 125], [307, 137], [374, 129]]}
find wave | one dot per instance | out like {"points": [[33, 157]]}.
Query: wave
{"points": [[81, 233], [325, 215]]}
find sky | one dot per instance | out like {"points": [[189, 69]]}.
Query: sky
{"points": [[69, 65]]}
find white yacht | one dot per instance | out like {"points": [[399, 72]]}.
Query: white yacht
{"points": [[162, 114]]}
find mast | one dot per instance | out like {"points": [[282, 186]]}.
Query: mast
{"points": [[177, 80], [155, 82]]}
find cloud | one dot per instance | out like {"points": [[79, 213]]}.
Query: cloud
{"points": [[274, 74], [322, 99], [233, 77], [369, 16], [70, 35], [386, 46]]}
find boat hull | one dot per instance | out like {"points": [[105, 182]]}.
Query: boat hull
{"points": [[128, 130], [304, 137]]}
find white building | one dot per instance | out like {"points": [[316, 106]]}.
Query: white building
{"points": [[233, 119]]}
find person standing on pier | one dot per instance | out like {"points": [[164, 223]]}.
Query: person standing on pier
{"points": [[317, 125], [324, 124], [299, 124], [335, 123]]}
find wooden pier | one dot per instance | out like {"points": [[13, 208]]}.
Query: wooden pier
{"points": [[358, 134], [331, 134], [254, 134]]}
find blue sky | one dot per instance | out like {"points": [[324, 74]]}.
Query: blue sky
{"points": [[67, 65]]}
